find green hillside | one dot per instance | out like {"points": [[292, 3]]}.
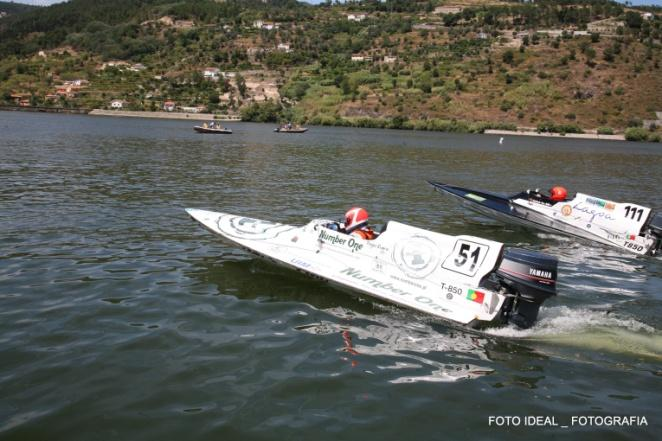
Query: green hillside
{"points": [[448, 65], [11, 8]]}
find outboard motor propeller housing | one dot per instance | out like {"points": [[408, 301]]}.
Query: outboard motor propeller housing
{"points": [[531, 277]]}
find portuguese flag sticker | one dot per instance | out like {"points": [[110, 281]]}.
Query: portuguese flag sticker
{"points": [[476, 296]]}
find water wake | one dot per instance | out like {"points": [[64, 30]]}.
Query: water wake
{"points": [[597, 330]]}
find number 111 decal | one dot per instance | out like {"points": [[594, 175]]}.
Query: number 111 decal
{"points": [[466, 258]]}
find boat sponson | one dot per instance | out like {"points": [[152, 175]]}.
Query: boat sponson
{"points": [[489, 200]]}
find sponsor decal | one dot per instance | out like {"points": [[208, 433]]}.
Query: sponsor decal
{"points": [[601, 203], [386, 286], [540, 273], [249, 229], [416, 256], [300, 263], [475, 296], [533, 200], [580, 207], [566, 210], [475, 197], [335, 239]]}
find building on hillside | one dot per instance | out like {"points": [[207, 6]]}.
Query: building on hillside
{"points": [[66, 91], [390, 59], [551, 32], [266, 25], [137, 67], [211, 73], [117, 104], [448, 9], [192, 109], [169, 106], [184, 24], [253, 51], [361, 58], [284, 47], [116, 64], [608, 26], [18, 97], [76, 83], [427, 26], [356, 17], [647, 16]]}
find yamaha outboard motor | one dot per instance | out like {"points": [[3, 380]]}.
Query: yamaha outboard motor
{"points": [[531, 277], [655, 229]]}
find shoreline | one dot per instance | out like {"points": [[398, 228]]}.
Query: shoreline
{"points": [[228, 118], [556, 135], [44, 109], [162, 115]]}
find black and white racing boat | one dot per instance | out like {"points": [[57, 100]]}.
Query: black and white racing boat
{"points": [[621, 224], [464, 279]]}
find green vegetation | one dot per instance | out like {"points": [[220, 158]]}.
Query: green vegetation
{"points": [[393, 64], [641, 134], [11, 8]]}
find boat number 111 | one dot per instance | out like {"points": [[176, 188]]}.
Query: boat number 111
{"points": [[631, 212]]}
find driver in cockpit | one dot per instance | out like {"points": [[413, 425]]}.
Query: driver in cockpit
{"points": [[356, 223]]}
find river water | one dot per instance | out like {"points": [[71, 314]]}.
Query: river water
{"points": [[120, 318]]}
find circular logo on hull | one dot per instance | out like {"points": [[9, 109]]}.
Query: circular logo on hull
{"points": [[566, 210], [416, 256], [248, 228]]}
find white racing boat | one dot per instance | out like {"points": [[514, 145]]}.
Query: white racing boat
{"points": [[464, 279], [624, 225]]}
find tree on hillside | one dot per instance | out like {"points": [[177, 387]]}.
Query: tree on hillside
{"points": [[241, 85]]}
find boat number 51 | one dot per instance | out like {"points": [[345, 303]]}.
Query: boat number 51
{"points": [[466, 257]]}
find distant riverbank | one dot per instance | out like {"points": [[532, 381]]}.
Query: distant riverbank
{"points": [[43, 109], [556, 135], [163, 115]]}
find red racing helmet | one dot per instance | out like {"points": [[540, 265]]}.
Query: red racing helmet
{"points": [[558, 193], [355, 217]]}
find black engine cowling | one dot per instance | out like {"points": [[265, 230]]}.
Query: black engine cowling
{"points": [[531, 277], [655, 228]]}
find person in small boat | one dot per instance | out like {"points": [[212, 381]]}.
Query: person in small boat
{"points": [[356, 223]]}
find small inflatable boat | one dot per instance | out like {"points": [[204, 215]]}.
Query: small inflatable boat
{"points": [[463, 279], [621, 224]]}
